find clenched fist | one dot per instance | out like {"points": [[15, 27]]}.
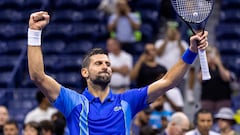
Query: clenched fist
{"points": [[38, 20]]}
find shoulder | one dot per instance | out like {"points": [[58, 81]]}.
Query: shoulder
{"points": [[191, 132], [158, 43], [126, 54]]}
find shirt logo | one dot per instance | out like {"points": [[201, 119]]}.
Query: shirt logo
{"points": [[117, 108]]}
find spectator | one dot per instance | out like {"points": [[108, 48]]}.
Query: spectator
{"points": [[108, 6], [146, 71], [170, 49], [59, 123], [47, 127], [124, 23], [4, 117], [159, 117], [225, 121], [44, 110], [11, 128], [178, 125], [216, 92], [203, 122], [32, 128], [121, 66]]}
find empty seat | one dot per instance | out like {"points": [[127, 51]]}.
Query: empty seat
{"points": [[13, 4], [149, 16], [70, 63], [92, 16], [53, 47], [91, 4], [36, 4], [230, 15], [24, 94], [7, 63], [229, 46], [58, 31], [147, 32], [84, 31], [6, 79], [69, 4], [51, 63], [15, 47], [227, 31], [78, 47], [9, 15], [148, 4], [67, 15], [69, 79]]}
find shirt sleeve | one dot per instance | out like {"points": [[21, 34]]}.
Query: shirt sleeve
{"points": [[111, 19], [67, 100], [135, 18], [137, 99], [159, 43]]}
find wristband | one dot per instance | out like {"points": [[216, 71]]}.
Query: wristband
{"points": [[34, 37], [189, 56]]}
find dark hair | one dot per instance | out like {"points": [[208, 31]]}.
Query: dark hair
{"points": [[39, 97], [47, 125], [35, 125], [12, 122], [94, 51], [201, 111]]}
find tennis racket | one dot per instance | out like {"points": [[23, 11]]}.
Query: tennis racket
{"points": [[195, 13]]}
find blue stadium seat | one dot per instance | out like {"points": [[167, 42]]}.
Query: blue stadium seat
{"points": [[91, 4], [24, 94], [149, 16], [12, 4], [51, 63], [227, 31], [232, 62], [147, 32], [148, 5], [84, 31], [70, 63], [78, 47], [230, 3], [69, 79], [92, 16], [229, 47], [230, 15], [36, 4], [67, 16], [7, 63], [235, 102], [53, 47], [58, 31], [9, 15], [138, 48], [6, 79], [69, 4], [15, 47], [16, 31]]}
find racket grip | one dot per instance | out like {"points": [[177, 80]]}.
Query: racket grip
{"points": [[204, 65]]}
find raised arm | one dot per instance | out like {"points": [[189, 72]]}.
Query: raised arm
{"points": [[45, 83], [176, 73]]}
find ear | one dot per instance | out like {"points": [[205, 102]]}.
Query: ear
{"points": [[84, 72]]}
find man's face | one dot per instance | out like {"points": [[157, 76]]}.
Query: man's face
{"points": [[151, 51], [204, 122], [223, 124], [112, 46], [99, 69], [10, 129], [3, 115]]}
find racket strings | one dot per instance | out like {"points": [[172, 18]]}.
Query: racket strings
{"points": [[193, 10]]}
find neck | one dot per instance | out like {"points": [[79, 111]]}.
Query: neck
{"points": [[43, 106], [226, 131], [203, 132], [99, 91]]}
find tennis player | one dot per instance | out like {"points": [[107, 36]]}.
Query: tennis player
{"points": [[97, 111]]}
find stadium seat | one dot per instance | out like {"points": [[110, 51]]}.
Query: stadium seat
{"points": [[51, 63], [66, 16], [92, 16], [83, 31], [14, 31], [147, 32], [227, 31], [230, 47], [58, 31], [36, 4], [6, 79], [230, 4], [78, 47], [149, 16], [7, 63], [70, 63], [53, 47], [91, 4], [69, 79], [9, 15], [11, 4], [138, 48], [69, 4], [148, 5], [235, 102], [24, 93], [15, 47], [230, 16]]}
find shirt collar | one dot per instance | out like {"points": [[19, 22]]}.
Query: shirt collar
{"points": [[90, 97]]}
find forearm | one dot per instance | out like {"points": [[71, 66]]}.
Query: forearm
{"points": [[112, 26], [35, 63], [134, 25], [135, 70], [161, 49], [225, 74]]}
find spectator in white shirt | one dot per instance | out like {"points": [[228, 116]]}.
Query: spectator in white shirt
{"points": [[121, 63], [42, 112]]}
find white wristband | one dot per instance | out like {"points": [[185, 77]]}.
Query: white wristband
{"points": [[34, 37]]}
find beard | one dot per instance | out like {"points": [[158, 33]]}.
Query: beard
{"points": [[101, 80]]}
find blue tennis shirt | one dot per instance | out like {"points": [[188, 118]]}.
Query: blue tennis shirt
{"points": [[87, 115]]}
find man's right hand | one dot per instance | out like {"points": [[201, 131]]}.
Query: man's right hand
{"points": [[38, 20]]}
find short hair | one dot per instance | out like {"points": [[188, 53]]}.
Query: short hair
{"points": [[47, 125], [12, 122], [34, 125], [201, 111], [39, 97], [94, 51]]}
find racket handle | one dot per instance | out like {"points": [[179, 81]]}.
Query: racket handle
{"points": [[204, 65]]}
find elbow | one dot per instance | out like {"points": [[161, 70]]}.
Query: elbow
{"points": [[37, 78]]}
